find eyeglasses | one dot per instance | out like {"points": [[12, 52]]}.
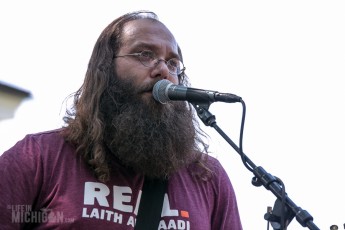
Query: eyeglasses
{"points": [[149, 59]]}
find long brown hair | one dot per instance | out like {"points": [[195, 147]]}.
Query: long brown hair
{"points": [[84, 121]]}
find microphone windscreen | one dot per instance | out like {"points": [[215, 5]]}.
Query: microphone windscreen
{"points": [[160, 91]]}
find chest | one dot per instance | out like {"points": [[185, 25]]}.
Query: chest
{"points": [[84, 203]]}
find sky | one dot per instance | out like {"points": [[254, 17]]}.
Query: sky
{"points": [[284, 58]]}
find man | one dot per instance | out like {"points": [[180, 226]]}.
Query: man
{"points": [[90, 173]]}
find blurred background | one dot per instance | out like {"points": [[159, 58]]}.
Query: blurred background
{"points": [[284, 58]]}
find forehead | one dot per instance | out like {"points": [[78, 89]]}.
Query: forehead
{"points": [[150, 32]]}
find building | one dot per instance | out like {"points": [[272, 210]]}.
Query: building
{"points": [[10, 99]]}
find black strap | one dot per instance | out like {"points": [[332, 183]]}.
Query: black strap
{"points": [[151, 203]]}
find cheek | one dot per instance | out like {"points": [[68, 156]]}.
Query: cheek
{"points": [[126, 70], [120, 70]]}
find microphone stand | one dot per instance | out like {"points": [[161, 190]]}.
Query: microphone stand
{"points": [[284, 209]]}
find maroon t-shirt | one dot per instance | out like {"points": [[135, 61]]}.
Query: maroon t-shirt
{"points": [[44, 184]]}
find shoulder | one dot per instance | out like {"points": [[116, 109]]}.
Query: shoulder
{"points": [[47, 139], [26, 158], [45, 136], [214, 163], [34, 145], [207, 168]]}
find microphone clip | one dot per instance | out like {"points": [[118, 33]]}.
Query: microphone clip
{"points": [[202, 111]]}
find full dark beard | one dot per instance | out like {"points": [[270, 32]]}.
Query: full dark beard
{"points": [[146, 136]]}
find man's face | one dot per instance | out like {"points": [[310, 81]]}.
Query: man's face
{"points": [[146, 35], [151, 138]]}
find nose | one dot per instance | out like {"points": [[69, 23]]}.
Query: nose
{"points": [[161, 70]]}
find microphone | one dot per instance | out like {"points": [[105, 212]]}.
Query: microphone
{"points": [[165, 91]]}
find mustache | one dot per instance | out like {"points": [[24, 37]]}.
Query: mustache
{"points": [[148, 87]]}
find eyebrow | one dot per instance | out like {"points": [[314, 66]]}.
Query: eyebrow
{"points": [[154, 48], [144, 45]]}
